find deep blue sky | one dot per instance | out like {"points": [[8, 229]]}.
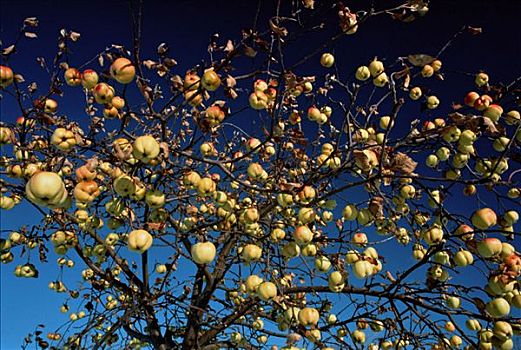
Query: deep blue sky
{"points": [[186, 26]]}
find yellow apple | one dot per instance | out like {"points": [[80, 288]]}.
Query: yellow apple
{"points": [[363, 73], [145, 148], [103, 93], [89, 78], [210, 80], [139, 241], [203, 252], [122, 70], [267, 291], [6, 76], [327, 60], [484, 218], [46, 188], [72, 77], [63, 139], [308, 316]]}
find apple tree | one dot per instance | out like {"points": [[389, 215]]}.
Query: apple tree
{"points": [[333, 224]]}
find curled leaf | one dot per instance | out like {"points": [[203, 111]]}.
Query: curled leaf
{"points": [[281, 31], [74, 36], [420, 60], [31, 22], [8, 50]]}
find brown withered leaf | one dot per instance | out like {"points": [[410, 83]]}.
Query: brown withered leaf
{"points": [[31, 22], [249, 51], [475, 30], [19, 78], [74, 36], [8, 50], [309, 4], [281, 31], [229, 46], [30, 35], [376, 206], [420, 60], [149, 64], [403, 163]]}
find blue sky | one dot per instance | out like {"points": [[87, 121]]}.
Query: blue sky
{"points": [[186, 27]]}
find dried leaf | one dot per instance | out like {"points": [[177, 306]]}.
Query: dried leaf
{"points": [[229, 46], [74, 36], [407, 81], [403, 163], [249, 51], [162, 49], [420, 60], [149, 64], [31, 22], [280, 31], [30, 35], [475, 30], [8, 50], [19, 78], [309, 4], [100, 60]]}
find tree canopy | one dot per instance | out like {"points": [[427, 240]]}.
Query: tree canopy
{"points": [[334, 225]]}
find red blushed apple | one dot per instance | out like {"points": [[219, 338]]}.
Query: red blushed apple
{"points": [[493, 112], [470, 98], [484, 218], [72, 77], [89, 79], [122, 70], [6, 76], [103, 93], [489, 247], [21, 121], [482, 102], [513, 262]]}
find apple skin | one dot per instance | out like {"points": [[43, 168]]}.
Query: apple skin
{"points": [[489, 247], [6, 76], [376, 68], [145, 148], [484, 218], [327, 60], [493, 112], [415, 93], [267, 291], [308, 316], [381, 80], [258, 100], [471, 98], [46, 188], [436, 65], [139, 241], [481, 79], [363, 73], [498, 308], [72, 77], [210, 80], [6, 135], [122, 70], [432, 102], [482, 102], [89, 78], [303, 235], [103, 93], [203, 252], [427, 71]]}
